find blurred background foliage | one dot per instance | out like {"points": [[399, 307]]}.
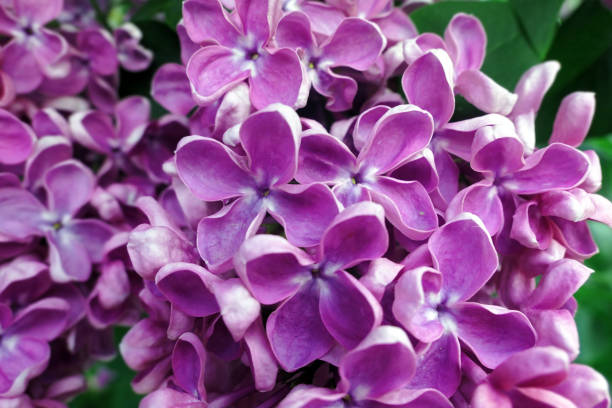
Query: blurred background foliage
{"points": [[521, 33]]}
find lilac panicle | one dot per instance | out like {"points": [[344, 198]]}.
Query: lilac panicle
{"points": [[309, 226]]}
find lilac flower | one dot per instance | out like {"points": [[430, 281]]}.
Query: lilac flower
{"points": [[24, 339], [259, 183], [131, 55], [239, 54], [499, 154], [25, 22], [17, 139], [452, 65], [408, 130], [356, 43], [395, 24], [69, 186], [432, 304], [322, 302], [542, 376], [375, 373]]}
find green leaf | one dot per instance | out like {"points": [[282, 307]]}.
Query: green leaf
{"points": [[581, 40], [509, 53], [168, 11], [595, 78], [539, 19]]}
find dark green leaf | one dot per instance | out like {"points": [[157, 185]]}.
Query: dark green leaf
{"points": [[539, 20], [168, 11]]}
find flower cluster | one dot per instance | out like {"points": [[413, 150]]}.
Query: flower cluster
{"points": [[309, 226]]}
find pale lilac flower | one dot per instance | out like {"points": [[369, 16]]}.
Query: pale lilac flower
{"points": [[242, 53], [433, 305], [356, 44], [322, 303], [258, 182], [389, 140], [375, 373], [74, 244]]}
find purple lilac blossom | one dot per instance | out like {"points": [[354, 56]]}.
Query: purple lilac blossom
{"points": [[295, 232]]}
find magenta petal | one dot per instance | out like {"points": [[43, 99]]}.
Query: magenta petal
{"points": [[21, 67], [465, 256], [422, 169], [70, 186], [466, 40], [409, 306], [556, 328], [340, 90], [533, 85], [188, 362], [206, 21], [576, 237], [150, 248], [556, 167], [312, 397], [263, 364], [348, 310], [93, 129], [26, 359], [585, 387], [558, 285], [34, 11], [188, 287], [212, 71], [168, 397], [482, 200], [221, 234], [277, 77], [484, 93], [210, 169], [420, 398], [271, 139], [99, 49], [530, 228], [258, 17], [68, 257], [427, 84], [305, 211], [398, 134], [438, 366], [493, 333], [48, 48], [383, 362], [497, 149], [396, 25], [43, 320], [132, 115], [573, 119], [294, 32], [365, 124], [271, 268], [237, 307], [537, 367], [17, 139], [170, 88], [356, 43], [48, 151], [356, 234], [324, 158], [407, 206], [93, 235], [20, 213], [296, 332]]}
